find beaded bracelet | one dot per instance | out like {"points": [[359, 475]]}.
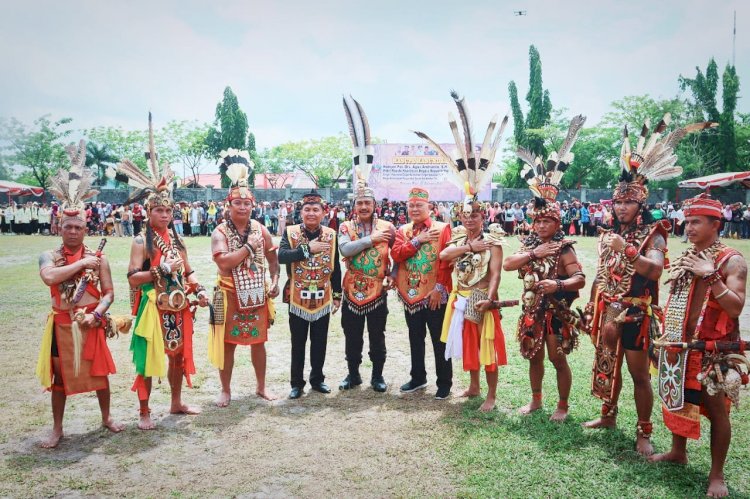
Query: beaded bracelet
{"points": [[560, 286], [155, 274], [712, 278]]}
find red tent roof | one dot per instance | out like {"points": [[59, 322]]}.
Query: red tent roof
{"points": [[16, 189]]}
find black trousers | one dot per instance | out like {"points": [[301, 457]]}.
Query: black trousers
{"points": [[354, 330], [418, 324], [318, 341]]}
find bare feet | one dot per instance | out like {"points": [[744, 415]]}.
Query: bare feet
{"points": [[602, 422], [488, 405], [112, 425], [717, 487], [266, 395], [145, 422], [559, 415], [52, 440], [223, 399], [643, 446], [534, 405], [184, 409], [470, 393], [669, 457]]}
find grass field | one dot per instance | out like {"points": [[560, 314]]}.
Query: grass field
{"points": [[346, 444]]}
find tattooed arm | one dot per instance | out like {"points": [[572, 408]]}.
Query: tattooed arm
{"points": [[735, 271], [52, 275], [136, 276], [651, 264]]}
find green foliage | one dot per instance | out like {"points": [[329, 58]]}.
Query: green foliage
{"points": [[528, 133], [123, 144], [229, 130], [325, 161], [99, 157], [718, 143], [38, 150], [187, 141]]}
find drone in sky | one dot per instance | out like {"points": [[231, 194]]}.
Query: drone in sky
{"points": [[519, 13]]}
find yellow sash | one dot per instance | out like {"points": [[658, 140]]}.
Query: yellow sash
{"points": [[148, 327], [44, 361], [487, 354]]}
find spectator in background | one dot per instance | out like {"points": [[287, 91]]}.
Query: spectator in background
{"points": [[677, 218], [736, 220], [273, 216], [177, 219], [44, 215], [746, 222], [186, 218], [138, 216], [196, 216], [127, 221], [585, 220], [658, 213]]}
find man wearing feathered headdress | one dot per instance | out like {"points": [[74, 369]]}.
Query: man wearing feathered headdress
{"points": [[471, 327], [74, 356], [313, 291], [551, 274], [625, 291], [698, 374], [160, 279], [243, 300], [364, 242]]}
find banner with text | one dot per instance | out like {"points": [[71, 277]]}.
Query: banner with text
{"points": [[399, 167]]}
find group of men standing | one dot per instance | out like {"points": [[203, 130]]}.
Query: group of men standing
{"points": [[447, 280]]}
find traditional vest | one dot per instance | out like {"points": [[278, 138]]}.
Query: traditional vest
{"points": [[538, 309], [310, 285], [65, 291], [416, 277], [250, 275], [616, 274], [365, 271], [713, 324]]}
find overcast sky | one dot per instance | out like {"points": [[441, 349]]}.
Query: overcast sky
{"points": [[108, 63]]}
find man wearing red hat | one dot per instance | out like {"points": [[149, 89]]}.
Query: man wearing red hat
{"points": [[243, 300], [696, 375], [423, 282], [624, 297]]}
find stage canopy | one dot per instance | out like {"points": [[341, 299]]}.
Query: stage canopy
{"points": [[16, 189], [717, 180]]}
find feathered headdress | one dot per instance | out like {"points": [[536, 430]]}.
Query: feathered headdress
{"points": [[72, 187], [653, 158], [469, 171], [156, 187], [363, 153], [544, 177], [238, 165]]}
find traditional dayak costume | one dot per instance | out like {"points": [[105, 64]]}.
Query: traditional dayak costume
{"points": [[163, 320], [314, 281], [547, 314], [367, 265], [242, 312], [85, 359], [684, 367], [473, 336], [625, 299]]}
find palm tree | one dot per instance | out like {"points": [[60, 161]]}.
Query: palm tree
{"points": [[99, 156]]}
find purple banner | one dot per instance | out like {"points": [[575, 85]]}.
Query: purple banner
{"points": [[399, 167]]}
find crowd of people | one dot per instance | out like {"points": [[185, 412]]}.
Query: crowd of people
{"points": [[444, 262]]}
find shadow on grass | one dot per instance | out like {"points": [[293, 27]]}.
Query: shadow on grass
{"points": [[545, 459]]}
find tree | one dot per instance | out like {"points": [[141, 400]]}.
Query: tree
{"points": [[229, 130], [526, 131], [39, 150], [188, 141], [325, 161], [720, 142], [122, 144], [100, 157]]}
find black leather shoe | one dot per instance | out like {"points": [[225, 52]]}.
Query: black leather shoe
{"points": [[350, 382], [321, 387], [378, 384], [296, 393]]}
